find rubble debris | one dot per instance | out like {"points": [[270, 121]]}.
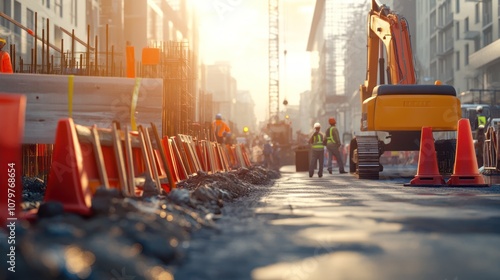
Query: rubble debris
{"points": [[143, 237]]}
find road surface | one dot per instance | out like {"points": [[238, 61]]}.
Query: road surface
{"points": [[340, 227]]}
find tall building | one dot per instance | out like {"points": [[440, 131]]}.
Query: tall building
{"points": [[477, 54], [460, 39], [330, 43], [435, 47], [303, 121], [355, 70], [244, 113], [222, 86]]}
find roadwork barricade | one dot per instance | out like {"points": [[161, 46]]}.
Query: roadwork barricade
{"points": [[87, 158]]}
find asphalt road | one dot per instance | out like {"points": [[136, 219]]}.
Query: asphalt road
{"points": [[340, 227]]}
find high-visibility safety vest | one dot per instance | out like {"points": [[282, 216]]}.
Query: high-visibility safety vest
{"points": [[330, 139], [481, 120], [5, 65], [317, 142], [220, 127]]}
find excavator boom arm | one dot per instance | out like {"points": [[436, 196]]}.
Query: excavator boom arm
{"points": [[388, 30]]}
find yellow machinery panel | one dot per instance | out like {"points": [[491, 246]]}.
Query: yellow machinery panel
{"points": [[410, 107]]}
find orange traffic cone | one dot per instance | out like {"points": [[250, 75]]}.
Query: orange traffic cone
{"points": [[465, 170], [427, 171], [12, 107], [68, 180]]}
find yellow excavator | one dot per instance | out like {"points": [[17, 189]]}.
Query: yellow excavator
{"points": [[395, 108]]}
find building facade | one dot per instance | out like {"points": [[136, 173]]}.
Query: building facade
{"points": [[336, 37], [109, 24], [47, 19], [461, 42]]}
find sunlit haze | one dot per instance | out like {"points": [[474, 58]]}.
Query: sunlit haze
{"points": [[236, 31]]}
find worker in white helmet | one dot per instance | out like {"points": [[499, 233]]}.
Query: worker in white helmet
{"points": [[317, 150], [480, 117]]}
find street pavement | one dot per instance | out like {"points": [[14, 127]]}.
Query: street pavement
{"points": [[341, 227]]}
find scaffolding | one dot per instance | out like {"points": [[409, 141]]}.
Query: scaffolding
{"points": [[176, 65], [339, 16]]}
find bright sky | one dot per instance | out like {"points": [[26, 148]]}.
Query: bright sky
{"points": [[237, 31]]}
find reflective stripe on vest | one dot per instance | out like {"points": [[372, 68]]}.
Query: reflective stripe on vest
{"points": [[330, 139], [481, 120], [317, 144]]}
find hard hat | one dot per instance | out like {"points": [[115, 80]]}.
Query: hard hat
{"points": [[2, 40], [317, 125], [218, 116], [332, 121], [479, 108]]}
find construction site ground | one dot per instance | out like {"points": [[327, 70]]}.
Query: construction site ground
{"points": [[340, 227]]}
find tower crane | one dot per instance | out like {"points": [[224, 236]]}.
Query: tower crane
{"points": [[280, 131], [274, 72]]}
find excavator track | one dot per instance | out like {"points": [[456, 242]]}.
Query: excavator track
{"points": [[368, 157]]}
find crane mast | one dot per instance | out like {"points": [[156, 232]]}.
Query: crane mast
{"points": [[274, 88]]}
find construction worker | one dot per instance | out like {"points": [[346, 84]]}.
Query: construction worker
{"points": [[5, 64], [220, 129], [480, 118], [332, 141], [317, 150], [267, 151]]}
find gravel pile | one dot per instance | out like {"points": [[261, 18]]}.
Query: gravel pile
{"points": [[33, 192], [145, 237]]}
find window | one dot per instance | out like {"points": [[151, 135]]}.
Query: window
{"points": [[17, 16], [487, 36], [466, 55], [432, 20], [57, 35], [457, 58], [487, 9], [433, 47], [457, 30], [477, 13], [48, 4], [73, 12], [6, 7], [477, 44], [466, 24], [30, 23], [59, 7], [457, 6]]}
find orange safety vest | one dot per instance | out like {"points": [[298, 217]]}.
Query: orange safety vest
{"points": [[219, 127], [5, 65]]}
